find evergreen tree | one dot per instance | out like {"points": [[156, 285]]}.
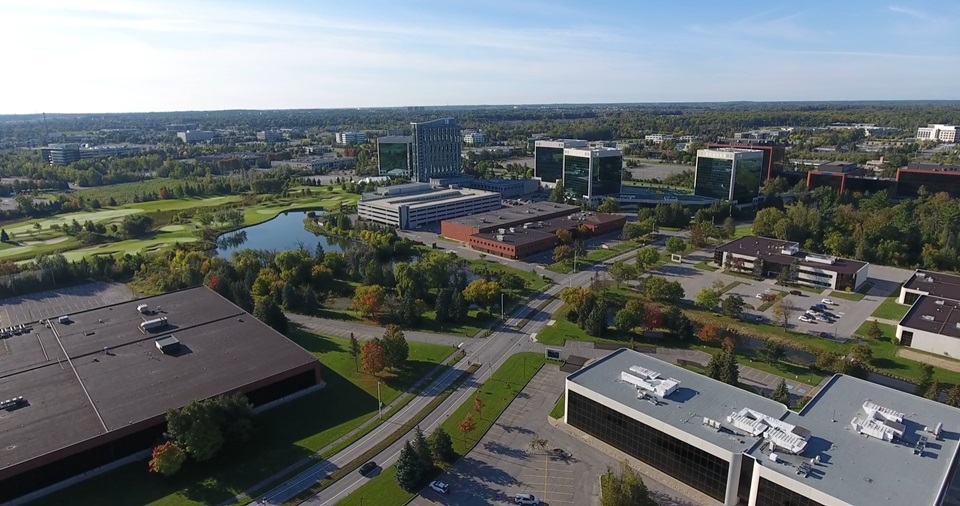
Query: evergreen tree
{"points": [[444, 304], [424, 454], [310, 301], [441, 445], [730, 372], [267, 311], [4, 237], [558, 194], [395, 347], [596, 321], [781, 394], [290, 298], [408, 468], [933, 392], [715, 366], [953, 396], [926, 379], [355, 350], [409, 309], [458, 307]]}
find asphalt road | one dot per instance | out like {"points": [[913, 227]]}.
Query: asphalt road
{"points": [[491, 352]]}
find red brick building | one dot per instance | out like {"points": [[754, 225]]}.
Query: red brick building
{"points": [[520, 231]]}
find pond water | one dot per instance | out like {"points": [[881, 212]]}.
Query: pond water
{"points": [[282, 233]]}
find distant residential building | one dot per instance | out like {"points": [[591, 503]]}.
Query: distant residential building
{"points": [[658, 138], [821, 271], [191, 136], [774, 154], [395, 155], [436, 149], [548, 158], [474, 138], [351, 137], [939, 133], [728, 174], [270, 136], [593, 172]]}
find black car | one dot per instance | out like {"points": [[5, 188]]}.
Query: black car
{"points": [[368, 468]]}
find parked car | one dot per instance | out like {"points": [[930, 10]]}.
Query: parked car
{"points": [[368, 468], [815, 309], [440, 487], [828, 302], [807, 319], [820, 306], [796, 292], [527, 499]]}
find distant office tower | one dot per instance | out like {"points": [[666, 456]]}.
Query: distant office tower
{"points": [[395, 155], [436, 149], [351, 137], [548, 158], [729, 174], [195, 136], [774, 154], [594, 172], [940, 133]]}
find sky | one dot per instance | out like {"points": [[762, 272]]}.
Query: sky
{"points": [[74, 56]]}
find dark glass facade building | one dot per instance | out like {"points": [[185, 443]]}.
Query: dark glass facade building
{"points": [[729, 174], [687, 463], [713, 178], [549, 163], [592, 172], [771, 494], [394, 154], [607, 175], [436, 149], [747, 179], [576, 175]]}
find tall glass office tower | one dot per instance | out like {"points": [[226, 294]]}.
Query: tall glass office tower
{"points": [[436, 149], [594, 172], [394, 153], [548, 158], [729, 174]]}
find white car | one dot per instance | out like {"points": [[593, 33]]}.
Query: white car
{"points": [[828, 302], [440, 487], [807, 319], [527, 499]]}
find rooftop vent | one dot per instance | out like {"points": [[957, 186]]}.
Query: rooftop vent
{"points": [[927, 317], [168, 345], [648, 381], [156, 323], [786, 437], [143, 308], [939, 302]]}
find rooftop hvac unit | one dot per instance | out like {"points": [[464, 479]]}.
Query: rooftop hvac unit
{"points": [[502, 231], [513, 230], [143, 308], [168, 345], [499, 237], [156, 323]]}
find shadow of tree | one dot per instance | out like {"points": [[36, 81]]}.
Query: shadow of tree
{"points": [[505, 451]]}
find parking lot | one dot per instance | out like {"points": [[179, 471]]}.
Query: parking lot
{"points": [[848, 315], [62, 301], [503, 464]]}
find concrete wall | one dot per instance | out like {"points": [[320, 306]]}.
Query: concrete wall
{"points": [[932, 343]]}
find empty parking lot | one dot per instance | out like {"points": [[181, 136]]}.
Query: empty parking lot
{"points": [[62, 301]]}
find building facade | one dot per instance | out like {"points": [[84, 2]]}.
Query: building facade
{"points": [[436, 149], [417, 204], [932, 324], [938, 133], [548, 158], [474, 138], [592, 173], [318, 163], [774, 256], [774, 154], [270, 136], [351, 137], [658, 138], [932, 177], [65, 154], [729, 174], [852, 444], [395, 153], [191, 136]]}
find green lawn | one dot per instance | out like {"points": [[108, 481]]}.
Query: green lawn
{"points": [[559, 408], [497, 393], [534, 280], [743, 231], [782, 368], [854, 296], [731, 286], [885, 356], [284, 434], [890, 309], [706, 266]]}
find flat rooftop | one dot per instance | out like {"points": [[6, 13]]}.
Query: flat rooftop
{"points": [[697, 397], [428, 198], [864, 470], [522, 235], [937, 284], [103, 373], [515, 214], [771, 251], [934, 314]]}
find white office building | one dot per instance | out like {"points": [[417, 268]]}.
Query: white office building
{"points": [[658, 138], [474, 138], [939, 133], [855, 443], [932, 324], [351, 137], [416, 204]]}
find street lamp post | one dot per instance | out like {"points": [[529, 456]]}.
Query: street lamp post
{"points": [[379, 404], [501, 307]]}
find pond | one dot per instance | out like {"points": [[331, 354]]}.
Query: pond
{"points": [[282, 233]]}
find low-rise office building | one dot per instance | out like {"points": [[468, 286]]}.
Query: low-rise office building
{"points": [[855, 443], [317, 163], [524, 230], [933, 322], [191, 136], [351, 137], [932, 177], [939, 133], [507, 188], [416, 204], [775, 255], [270, 136], [65, 154]]}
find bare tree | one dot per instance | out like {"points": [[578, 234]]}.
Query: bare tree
{"points": [[782, 311], [538, 443]]}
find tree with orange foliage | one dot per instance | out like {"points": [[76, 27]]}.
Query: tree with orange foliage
{"points": [[466, 426], [708, 333], [373, 357], [367, 300], [728, 343], [167, 459]]}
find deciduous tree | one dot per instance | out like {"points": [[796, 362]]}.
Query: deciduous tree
{"points": [[466, 426], [708, 298], [368, 299], [624, 487], [782, 311], [708, 333], [395, 347], [483, 293], [478, 406], [647, 256], [167, 459], [538, 443], [675, 245], [373, 357]]}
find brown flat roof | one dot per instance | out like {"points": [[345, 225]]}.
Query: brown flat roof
{"points": [[224, 349], [933, 314], [770, 250], [511, 216], [937, 284], [527, 235]]}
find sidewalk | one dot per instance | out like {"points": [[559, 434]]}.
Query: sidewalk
{"points": [[884, 320]]}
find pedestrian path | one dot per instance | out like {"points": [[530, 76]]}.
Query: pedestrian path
{"points": [[884, 320]]}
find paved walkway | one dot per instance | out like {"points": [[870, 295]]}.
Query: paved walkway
{"points": [[884, 320]]}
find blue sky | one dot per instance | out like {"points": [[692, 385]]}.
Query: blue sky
{"points": [[152, 55]]}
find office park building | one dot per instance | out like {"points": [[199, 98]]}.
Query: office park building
{"points": [[855, 443], [932, 324], [548, 158], [588, 172], [395, 155], [729, 174], [416, 204], [436, 150]]}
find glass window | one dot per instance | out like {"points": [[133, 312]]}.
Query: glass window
{"points": [[713, 178], [576, 175], [746, 181], [549, 164], [771, 494], [689, 464], [607, 175]]}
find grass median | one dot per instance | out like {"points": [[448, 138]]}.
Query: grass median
{"points": [[497, 393]]}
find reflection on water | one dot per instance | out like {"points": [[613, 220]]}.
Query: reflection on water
{"points": [[282, 233]]}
